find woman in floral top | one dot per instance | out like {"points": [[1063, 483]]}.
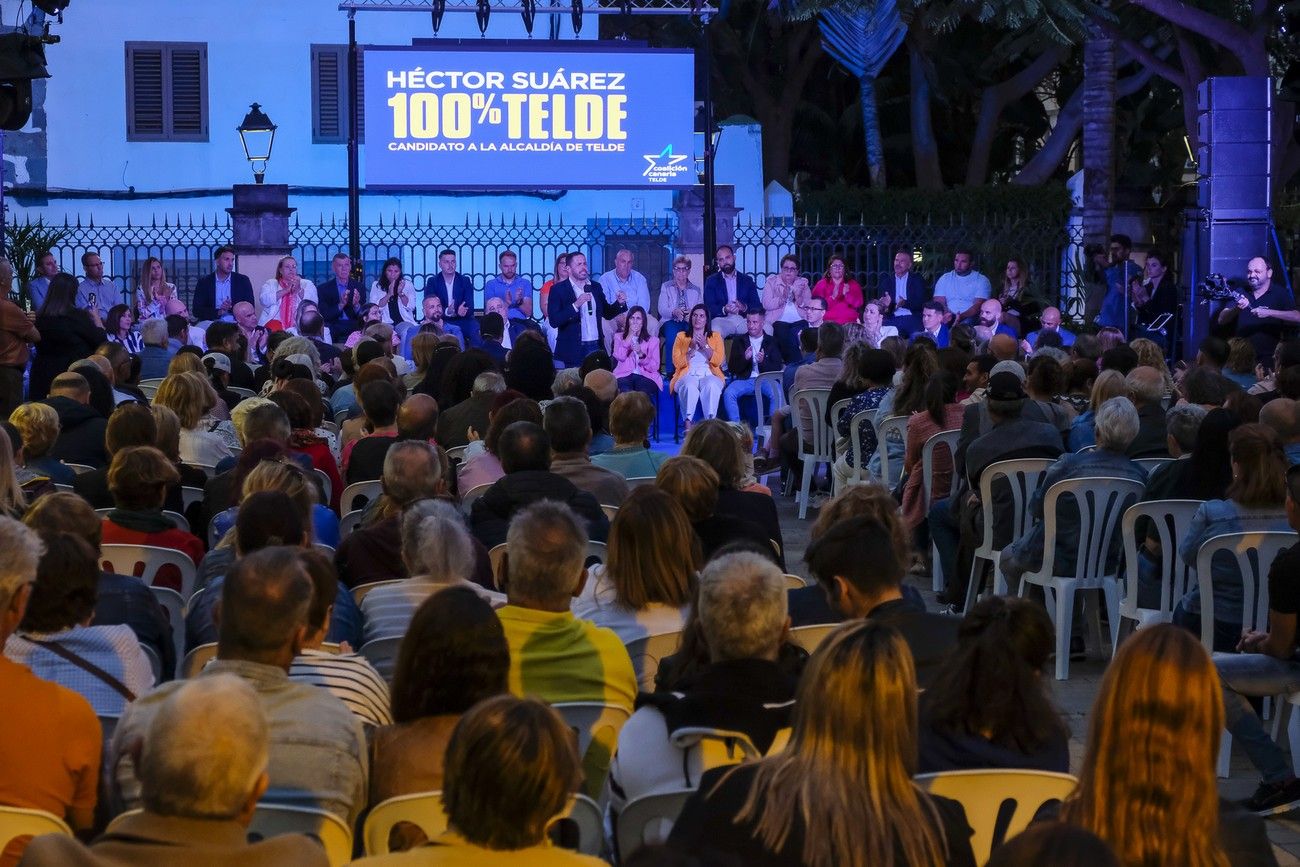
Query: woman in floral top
{"points": [[877, 368]]}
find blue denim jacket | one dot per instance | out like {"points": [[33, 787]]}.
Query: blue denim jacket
{"points": [[1026, 553], [1082, 431], [1214, 518]]}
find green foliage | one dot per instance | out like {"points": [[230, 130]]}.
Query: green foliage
{"points": [[26, 242], [1048, 203]]}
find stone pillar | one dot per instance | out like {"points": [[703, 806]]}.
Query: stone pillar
{"points": [[260, 218], [689, 207]]}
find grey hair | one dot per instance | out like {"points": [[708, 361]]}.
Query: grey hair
{"points": [[1184, 423], [439, 546], [213, 716], [1145, 384], [1116, 424], [412, 471], [566, 380], [300, 346], [489, 382], [546, 548], [23, 550], [153, 332], [1060, 356], [742, 606]]}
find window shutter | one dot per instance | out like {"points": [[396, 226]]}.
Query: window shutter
{"points": [[327, 105], [187, 93], [361, 96], [145, 113]]}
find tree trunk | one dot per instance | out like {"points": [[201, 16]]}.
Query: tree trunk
{"points": [[874, 143], [925, 148], [1098, 136], [995, 99]]}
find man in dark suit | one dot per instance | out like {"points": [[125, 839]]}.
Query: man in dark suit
{"points": [[456, 292], [932, 324], [339, 299], [728, 294], [904, 294], [216, 295], [575, 309], [870, 587], [751, 353]]}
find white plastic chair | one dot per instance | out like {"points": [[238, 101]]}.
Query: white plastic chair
{"points": [[1023, 476], [816, 446], [148, 559], [348, 523], [21, 822], [423, 810], [776, 383], [646, 652], [949, 439], [610, 511], [196, 659], [190, 496], [272, 820], [149, 387], [210, 469], [242, 392], [809, 637], [362, 590], [590, 819], [382, 654], [497, 557], [638, 481], [597, 725], [1172, 518], [892, 428], [1254, 553], [358, 494], [599, 550], [174, 604], [647, 821], [987, 795], [858, 472], [794, 582], [1151, 464], [456, 454], [467, 499], [1101, 503], [80, 468], [837, 409]]}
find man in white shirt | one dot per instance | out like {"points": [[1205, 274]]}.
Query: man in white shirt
{"points": [[624, 285], [95, 286], [963, 288], [752, 353]]}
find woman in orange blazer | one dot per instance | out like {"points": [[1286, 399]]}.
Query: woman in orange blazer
{"points": [[697, 359]]}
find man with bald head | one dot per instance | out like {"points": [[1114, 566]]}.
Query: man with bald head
{"points": [[1050, 321], [246, 319], [1264, 311], [1282, 414], [1003, 347], [417, 418], [990, 321], [1146, 388]]}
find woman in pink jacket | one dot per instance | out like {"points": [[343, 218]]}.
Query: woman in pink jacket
{"points": [[636, 354], [842, 293]]}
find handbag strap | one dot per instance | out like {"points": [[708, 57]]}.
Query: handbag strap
{"points": [[84, 664]]}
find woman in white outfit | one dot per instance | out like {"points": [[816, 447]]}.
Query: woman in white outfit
{"points": [[697, 359], [280, 296], [873, 324], [394, 295]]}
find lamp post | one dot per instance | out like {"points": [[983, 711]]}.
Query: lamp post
{"points": [[257, 134]]}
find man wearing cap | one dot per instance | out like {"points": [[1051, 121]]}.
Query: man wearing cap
{"points": [[957, 524]]}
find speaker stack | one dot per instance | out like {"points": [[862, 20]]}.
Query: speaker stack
{"points": [[1234, 189]]}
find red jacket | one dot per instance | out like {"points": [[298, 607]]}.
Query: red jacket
{"points": [[178, 540]]}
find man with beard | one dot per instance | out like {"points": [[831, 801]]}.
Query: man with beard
{"points": [[728, 294], [1262, 313], [576, 307]]}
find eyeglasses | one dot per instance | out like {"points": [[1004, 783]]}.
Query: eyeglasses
{"points": [[789, 267], [681, 267]]}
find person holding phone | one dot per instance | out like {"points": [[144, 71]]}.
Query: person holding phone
{"points": [[95, 290]]}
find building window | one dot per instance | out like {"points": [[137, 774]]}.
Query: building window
{"points": [[166, 91], [329, 94]]}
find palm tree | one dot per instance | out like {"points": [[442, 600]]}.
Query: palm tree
{"points": [[1098, 135]]}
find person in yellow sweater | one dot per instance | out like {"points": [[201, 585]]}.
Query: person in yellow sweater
{"points": [[697, 359]]}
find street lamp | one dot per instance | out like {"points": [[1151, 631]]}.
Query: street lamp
{"points": [[257, 134]]}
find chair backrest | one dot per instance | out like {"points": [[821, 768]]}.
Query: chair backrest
{"points": [[382, 653], [196, 659], [858, 419], [155, 661], [646, 653], [359, 592], [497, 557], [590, 819], [174, 604], [179, 521], [358, 494], [1254, 553], [209, 469], [837, 409], [190, 496], [21, 822], [598, 550], [1023, 476], [610, 511], [1171, 518], [947, 439], [326, 486], [64, 488], [80, 468], [149, 387], [242, 392], [144, 561], [597, 726], [999, 803], [774, 383], [809, 637], [349, 522], [1101, 502], [272, 820], [423, 810], [794, 582], [817, 444], [892, 428], [1150, 464], [648, 820], [467, 499], [456, 454], [638, 481]]}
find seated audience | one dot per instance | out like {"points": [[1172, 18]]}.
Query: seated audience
{"points": [[1108, 384], [510, 769], [1146, 388], [989, 706], [1282, 414], [717, 443], [438, 552], [50, 740], [454, 657], [303, 439], [1147, 786], [1054, 843], [630, 418], [203, 441], [694, 485], [1256, 501], [568, 427], [363, 458], [742, 690], [644, 588], [317, 747], [18, 485], [56, 638], [525, 451], [481, 464], [80, 438], [267, 467], [196, 810], [833, 796], [530, 366], [139, 479], [942, 413], [130, 425], [871, 382], [471, 409], [38, 425]]}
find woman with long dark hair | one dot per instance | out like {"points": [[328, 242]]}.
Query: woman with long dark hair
{"points": [[697, 362], [942, 412], [637, 354], [394, 294], [843, 294], [67, 334], [118, 328]]}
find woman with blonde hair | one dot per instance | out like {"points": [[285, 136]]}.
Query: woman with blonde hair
{"points": [[152, 291], [280, 296], [1108, 384], [644, 587], [841, 793], [38, 425], [13, 500], [1150, 354], [169, 443], [204, 440], [1147, 786]]}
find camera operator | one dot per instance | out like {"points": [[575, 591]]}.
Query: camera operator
{"points": [[1264, 312]]}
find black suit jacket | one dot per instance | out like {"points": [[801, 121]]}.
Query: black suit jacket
{"points": [[741, 367], [204, 305], [568, 322], [917, 292]]}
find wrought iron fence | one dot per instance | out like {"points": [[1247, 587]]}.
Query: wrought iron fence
{"points": [[1052, 253]]}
